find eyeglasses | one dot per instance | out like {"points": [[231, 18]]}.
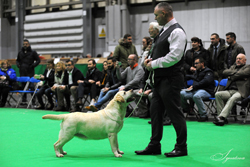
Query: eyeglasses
{"points": [[68, 65], [197, 63]]}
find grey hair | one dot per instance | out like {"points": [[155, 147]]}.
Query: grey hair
{"points": [[155, 25]]}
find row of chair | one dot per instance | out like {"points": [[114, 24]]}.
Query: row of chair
{"points": [[25, 90], [210, 103]]}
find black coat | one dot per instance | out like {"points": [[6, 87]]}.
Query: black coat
{"points": [[113, 82], [96, 75], [203, 79], [27, 61], [49, 80], [76, 75], [190, 56]]}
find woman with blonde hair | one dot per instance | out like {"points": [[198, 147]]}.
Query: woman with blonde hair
{"points": [[59, 74], [7, 76]]}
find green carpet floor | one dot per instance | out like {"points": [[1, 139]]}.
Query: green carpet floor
{"points": [[26, 140]]}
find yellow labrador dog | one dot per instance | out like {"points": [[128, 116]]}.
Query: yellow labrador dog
{"points": [[103, 124]]}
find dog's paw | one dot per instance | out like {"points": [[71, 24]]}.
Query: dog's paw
{"points": [[120, 152], [64, 153], [59, 155], [118, 155]]}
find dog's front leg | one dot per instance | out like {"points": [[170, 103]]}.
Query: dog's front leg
{"points": [[114, 144]]}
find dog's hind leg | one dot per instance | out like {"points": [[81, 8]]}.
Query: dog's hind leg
{"points": [[58, 146], [114, 144]]}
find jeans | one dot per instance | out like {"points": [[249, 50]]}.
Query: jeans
{"points": [[197, 96], [104, 97]]}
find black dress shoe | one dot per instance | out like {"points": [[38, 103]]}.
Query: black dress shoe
{"points": [[149, 151], [166, 122], [203, 119], [177, 153], [149, 122], [220, 121]]}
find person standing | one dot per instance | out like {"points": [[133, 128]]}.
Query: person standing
{"points": [[27, 60], [233, 49], [217, 52], [166, 64], [123, 50]]}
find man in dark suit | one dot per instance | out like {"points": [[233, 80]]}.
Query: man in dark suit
{"points": [[27, 60], [48, 78], [88, 85], [166, 64], [69, 86], [237, 87]]}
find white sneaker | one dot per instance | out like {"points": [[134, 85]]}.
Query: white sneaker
{"points": [[92, 103]]}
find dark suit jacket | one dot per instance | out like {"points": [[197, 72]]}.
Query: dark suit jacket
{"points": [[49, 80], [96, 75], [76, 75], [241, 77]]}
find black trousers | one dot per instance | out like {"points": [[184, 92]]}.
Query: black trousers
{"points": [[49, 93], [83, 89], [166, 96], [4, 94], [39, 94]]}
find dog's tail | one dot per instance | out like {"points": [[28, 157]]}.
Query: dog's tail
{"points": [[54, 117]]}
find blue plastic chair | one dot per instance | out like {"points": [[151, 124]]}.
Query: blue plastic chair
{"points": [[33, 80]]}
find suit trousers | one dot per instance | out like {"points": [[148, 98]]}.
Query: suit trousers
{"points": [[66, 93], [229, 97], [166, 96]]}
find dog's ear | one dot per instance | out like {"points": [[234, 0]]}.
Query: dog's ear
{"points": [[119, 98]]}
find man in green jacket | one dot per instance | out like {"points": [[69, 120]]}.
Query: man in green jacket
{"points": [[123, 50]]}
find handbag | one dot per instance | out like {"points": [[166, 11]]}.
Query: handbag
{"points": [[4, 83]]}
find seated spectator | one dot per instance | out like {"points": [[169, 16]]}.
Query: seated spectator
{"points": [[60, 70], [191, 54], [7, 76], [48, 78], [111, 87], [99, 55], [88, 85], [237, 87], [146, 46], [69, 86], [132, 74], [202, 88], [101, 84]]}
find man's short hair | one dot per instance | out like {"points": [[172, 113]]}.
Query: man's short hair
{"points": [[155, 25], [166, 7], [70, 61], [217, 36], [232, 35], [126, 36], [201, 60], [93, 61], [26, 40], [112, 58]]}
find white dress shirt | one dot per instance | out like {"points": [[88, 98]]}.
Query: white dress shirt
{"points": [[177, 41]]}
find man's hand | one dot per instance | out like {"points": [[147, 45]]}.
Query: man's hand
{"points": [[147, 92], [80, 81], [98, 83], [140, 91], [190, 88], [122, 88], [105, 89], [53, 87], [147, 64], [192, 69], [91, 81], [41, 77], [62, 87]]}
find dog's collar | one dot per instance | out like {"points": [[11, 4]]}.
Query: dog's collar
{"points": [[112, 118]]}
